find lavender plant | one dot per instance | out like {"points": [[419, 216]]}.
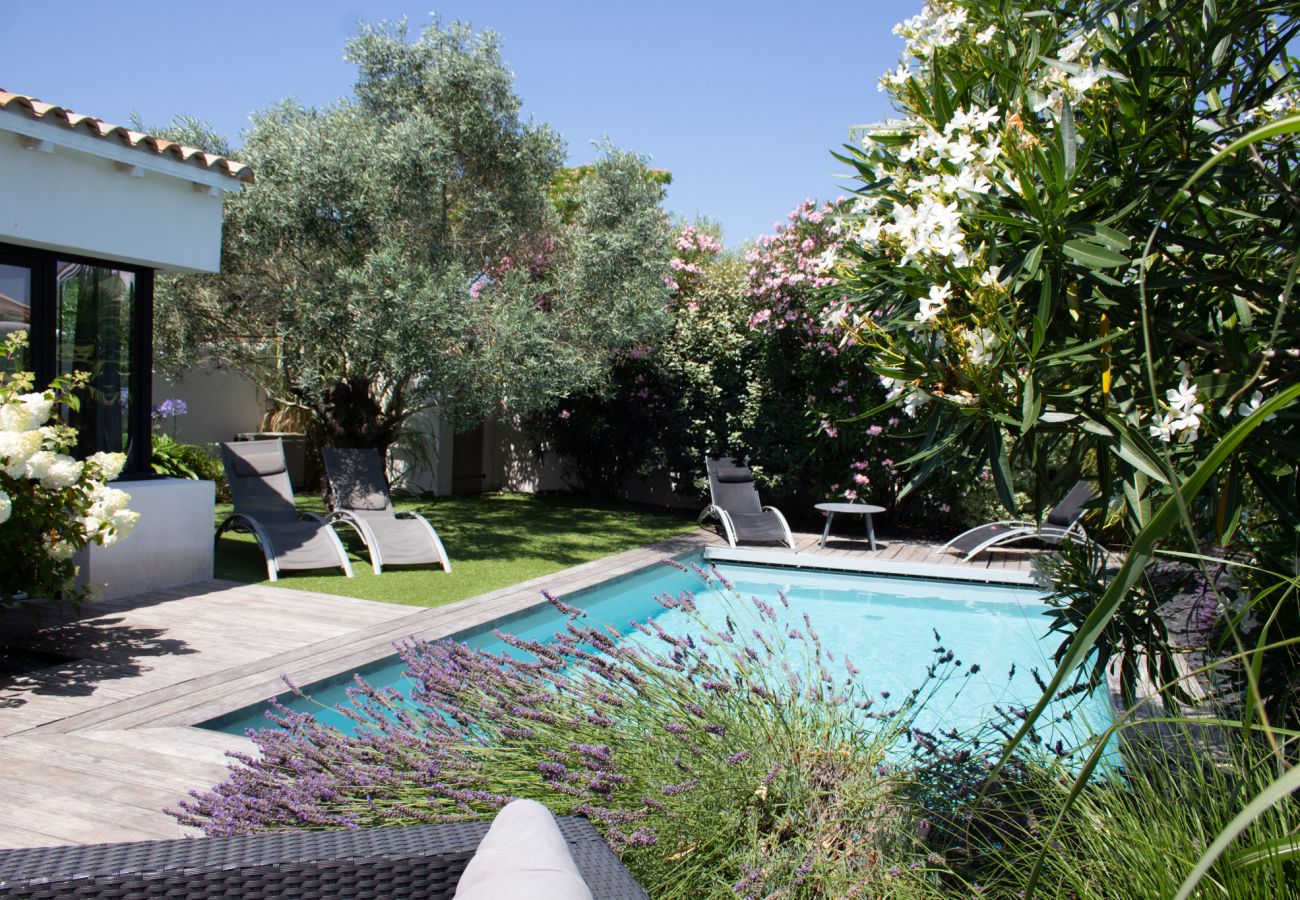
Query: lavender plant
{"points": [[739, 759]]}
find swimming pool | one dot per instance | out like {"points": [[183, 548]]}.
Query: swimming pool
{"points": [[891, 628]]}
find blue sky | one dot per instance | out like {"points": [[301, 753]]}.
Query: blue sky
{"points": [[742, 102]]}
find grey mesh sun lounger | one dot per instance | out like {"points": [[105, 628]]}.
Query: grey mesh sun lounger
{"points": [[263, 496], [361, 500], [1063, 523], [734, 502]]}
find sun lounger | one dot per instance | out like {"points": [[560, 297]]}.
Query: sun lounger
{"points": [[398, 861], [361, 501], [1062, 523], [263, 497], [734, 502]]}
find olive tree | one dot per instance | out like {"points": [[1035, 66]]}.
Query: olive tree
{"points": [[398, 250]]}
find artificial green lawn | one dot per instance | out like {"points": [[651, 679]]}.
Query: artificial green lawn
{"points": [[493, 540]]}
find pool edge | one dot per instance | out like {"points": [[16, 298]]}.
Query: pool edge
{"points": [[870, 566]]}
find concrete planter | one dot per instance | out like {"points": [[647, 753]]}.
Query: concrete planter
{"points": [[172, 544]]}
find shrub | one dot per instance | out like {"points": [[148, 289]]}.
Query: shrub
{"points": [[176, 459], [51, 505], [737, 759]]}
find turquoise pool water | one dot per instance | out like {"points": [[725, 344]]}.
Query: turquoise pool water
{"points": [[885, 625]]}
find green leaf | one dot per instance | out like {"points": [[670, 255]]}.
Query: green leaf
{"points": [[1001, 466], [1107, 237], [1069, 140], [1267, 851], [1094, 256], [1278, 791], [1135, 451]]}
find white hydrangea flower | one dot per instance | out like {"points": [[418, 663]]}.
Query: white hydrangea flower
{"points": [[16, 449], [26, 412], [6, 507], [54, 470], [60, 549], [109, 464]]}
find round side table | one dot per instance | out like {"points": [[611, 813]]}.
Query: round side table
{"points": [[861, 509]]}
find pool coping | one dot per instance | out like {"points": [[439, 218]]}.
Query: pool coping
{"points": [[866, 565]]}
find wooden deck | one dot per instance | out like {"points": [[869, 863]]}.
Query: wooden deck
{"points": [[92, 750]]}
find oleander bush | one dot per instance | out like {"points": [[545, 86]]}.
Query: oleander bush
{"points": [[747, 369]]}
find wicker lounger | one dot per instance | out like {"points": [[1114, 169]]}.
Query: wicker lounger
{"points": [[400, 861]]}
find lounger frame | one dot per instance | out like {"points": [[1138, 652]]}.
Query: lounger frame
{"points": [[373, 545], [244, 523]]}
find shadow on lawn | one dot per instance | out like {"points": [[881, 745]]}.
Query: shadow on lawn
{"points": [[555, 529]]}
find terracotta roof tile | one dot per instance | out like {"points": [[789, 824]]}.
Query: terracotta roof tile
{"points": [[99, 128]]}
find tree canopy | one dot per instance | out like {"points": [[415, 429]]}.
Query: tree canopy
{"points": [[398, 251]]}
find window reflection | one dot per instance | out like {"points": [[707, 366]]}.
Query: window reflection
{"points": [[93, 334], [16, 306]]}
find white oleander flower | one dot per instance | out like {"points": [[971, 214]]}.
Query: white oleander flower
{"points": [[934, 304], [967, 183], [1247, 407], [893, 388], [914, 401], [1182, 399], [980, 346], [1070, 52], [869, 234], [991, 276], [1085, 81], [6, 507]]}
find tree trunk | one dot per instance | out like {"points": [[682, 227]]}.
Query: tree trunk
{"points": [[351, 417]]}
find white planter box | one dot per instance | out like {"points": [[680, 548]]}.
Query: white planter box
{"points": [[172, 544]]}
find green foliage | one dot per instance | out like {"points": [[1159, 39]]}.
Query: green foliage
{"points": [[180, 460], [1036, 355], [568, 181], [1128, 837], [398, 251]]}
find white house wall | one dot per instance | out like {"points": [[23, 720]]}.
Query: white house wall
{"points": [[63, 199], [221, 404]]}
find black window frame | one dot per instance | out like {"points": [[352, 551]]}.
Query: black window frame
{"points": [[44, 348]]}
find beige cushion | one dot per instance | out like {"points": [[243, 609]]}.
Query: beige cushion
{"points": [[523, 855]]}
